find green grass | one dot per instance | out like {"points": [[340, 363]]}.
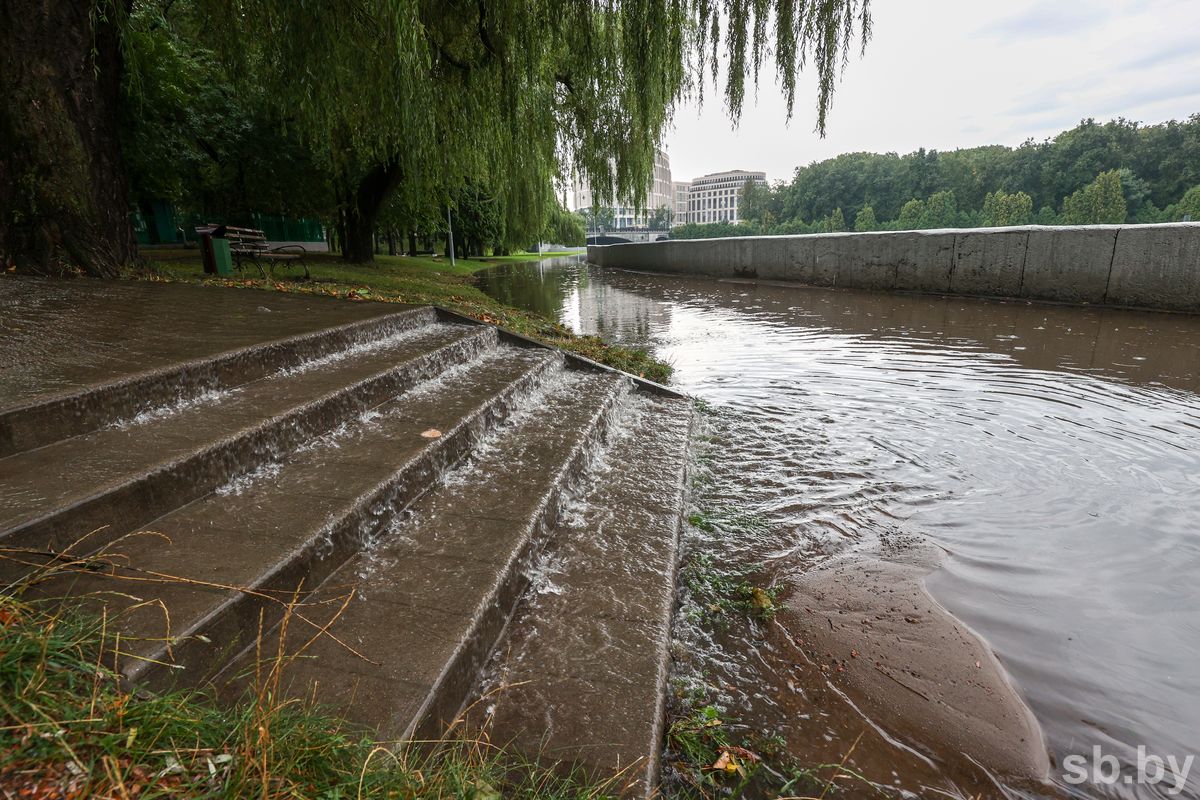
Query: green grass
{"points": [[711, 754], [420, 280], [67, 730], [719, 592], [715, 757]]}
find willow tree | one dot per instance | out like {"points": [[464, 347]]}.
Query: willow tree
{"points": [[407, 97]]}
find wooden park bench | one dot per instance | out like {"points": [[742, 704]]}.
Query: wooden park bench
{"points": [[249, 244]]}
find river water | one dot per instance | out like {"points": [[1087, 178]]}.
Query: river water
{"points": [[1052, 452]]}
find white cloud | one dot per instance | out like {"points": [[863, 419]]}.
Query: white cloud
{"points": [[947, 73]]}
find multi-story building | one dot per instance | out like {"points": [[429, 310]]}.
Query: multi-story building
{"points": [[680, 190], [712, 198], [660, 193], [717, 197]]}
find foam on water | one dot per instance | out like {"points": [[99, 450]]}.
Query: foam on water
{"points": [[365, 347], [204, 398], [248, 480]]}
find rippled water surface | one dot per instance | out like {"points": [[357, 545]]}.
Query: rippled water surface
{"points": [[1052, 452]]}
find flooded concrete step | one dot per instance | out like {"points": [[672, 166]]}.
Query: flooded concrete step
{"points": [[193, 590], [581, 676], [113, 480], [41, 421], [412, 620]]}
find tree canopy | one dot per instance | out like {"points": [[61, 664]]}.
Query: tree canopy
{"points": [[364, 108], [1113, 172]]}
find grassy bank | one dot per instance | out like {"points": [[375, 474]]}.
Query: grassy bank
{"points": [[415, 279], [68, 731]]}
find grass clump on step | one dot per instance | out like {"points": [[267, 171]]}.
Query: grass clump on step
{"points": [[67, 730], [712, 755], [420, 280], [718, 592]]}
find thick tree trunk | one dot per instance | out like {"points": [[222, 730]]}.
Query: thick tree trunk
{"points": [[64, 201], [362, 211]]}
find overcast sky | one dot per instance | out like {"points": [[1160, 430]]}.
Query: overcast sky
{"points": [[946, 74]]}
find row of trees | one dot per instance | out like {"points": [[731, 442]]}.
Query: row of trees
{"points": [[374, 114], [604, 218], [1115, 172], [203, 137]]}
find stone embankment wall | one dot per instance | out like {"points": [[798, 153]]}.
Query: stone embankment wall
{"points": [[1144, 266]]}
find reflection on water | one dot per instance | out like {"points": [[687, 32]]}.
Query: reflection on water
{"points": [[1052, 451], [563, 289]]}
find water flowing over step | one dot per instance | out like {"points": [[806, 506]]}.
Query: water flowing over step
{"points": [[80, 355], [381, 491], [583, 668], [214, 564], [126, 474], [431, 596]]}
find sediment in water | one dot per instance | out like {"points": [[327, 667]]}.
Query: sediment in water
{"points": [[912, 668]]}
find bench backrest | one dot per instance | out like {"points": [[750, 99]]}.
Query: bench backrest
{"points": [[241, 240]]}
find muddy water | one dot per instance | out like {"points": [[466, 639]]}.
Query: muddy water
{"points": [[1053, 454]]}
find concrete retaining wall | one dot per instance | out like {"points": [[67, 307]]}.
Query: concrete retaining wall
{"points": [[1145, 266]]}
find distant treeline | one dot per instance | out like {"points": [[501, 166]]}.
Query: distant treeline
{"points": [[1111, 173]]}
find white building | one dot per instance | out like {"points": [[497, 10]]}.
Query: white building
{"points": [[717, 197], [680, 190], [660, 193]]}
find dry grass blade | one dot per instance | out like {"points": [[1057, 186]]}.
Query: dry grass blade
{"points": [[67, 564]]}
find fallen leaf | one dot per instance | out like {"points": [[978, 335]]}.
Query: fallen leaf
{"points": [[432, 433], [743, 753], [725, 763], [728, 764], [761, 599]]}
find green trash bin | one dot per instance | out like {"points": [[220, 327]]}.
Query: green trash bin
{"points": [[222, 257]]}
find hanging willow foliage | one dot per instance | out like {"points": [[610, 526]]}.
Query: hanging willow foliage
{"points": [[406, 98], [508, 90]]}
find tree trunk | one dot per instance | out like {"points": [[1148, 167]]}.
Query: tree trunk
{"points": [[64, 199], [391, 240], [362, 211], [412, 242]]}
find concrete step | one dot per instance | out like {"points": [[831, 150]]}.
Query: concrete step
{"points": [[188, 595], [85, 406], [391, 478], [119, 478], [581, 677], [415, 616]]}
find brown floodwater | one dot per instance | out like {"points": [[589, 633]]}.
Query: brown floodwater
{"points": [[1051, 452]]}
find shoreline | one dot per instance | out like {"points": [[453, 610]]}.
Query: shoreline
{"points": [[417, 280], [920, 677]]}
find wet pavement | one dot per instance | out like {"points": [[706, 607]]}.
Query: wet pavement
{"points": [[62, 335], [1051, 452]]}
